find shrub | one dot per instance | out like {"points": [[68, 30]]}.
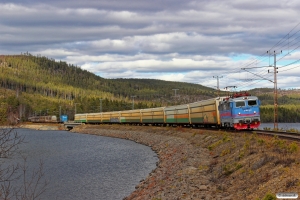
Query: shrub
{"points": [[238, 166], [279, 143], [227, 171], [225, 152], [241, 155], [212, 146], [226, 138], [261, 141], [269, 196], [293, 147]]}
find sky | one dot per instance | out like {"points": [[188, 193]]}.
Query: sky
{"points": [[194, 41]]}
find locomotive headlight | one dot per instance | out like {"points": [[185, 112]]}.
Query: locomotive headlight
{"points": [[239, 113], [254, 112]]}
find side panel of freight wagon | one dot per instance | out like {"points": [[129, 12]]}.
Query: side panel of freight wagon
{"points": [[94, 118], [204, 112], [80, 118], [177, 114], [131, 116], [152, 115]]}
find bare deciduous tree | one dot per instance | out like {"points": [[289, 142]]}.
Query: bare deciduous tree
{"points": [[9, 142], [16, 181]]}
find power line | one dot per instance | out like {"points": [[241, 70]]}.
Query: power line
{"points": [[289, 43]]}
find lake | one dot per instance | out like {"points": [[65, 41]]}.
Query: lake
{"points": [[285, 126], [80, 166]]}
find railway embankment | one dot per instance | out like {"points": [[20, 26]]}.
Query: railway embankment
{"points": [[201, 164]]}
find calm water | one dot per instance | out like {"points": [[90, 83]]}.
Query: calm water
{"points": [[285, 126], [80, 166]]}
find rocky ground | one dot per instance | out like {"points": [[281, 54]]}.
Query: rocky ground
{"points": [[198, 164], [201, 164]]}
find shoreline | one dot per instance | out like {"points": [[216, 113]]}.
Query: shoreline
{"points": [[177, 175], [42, 126], [202, 164]]}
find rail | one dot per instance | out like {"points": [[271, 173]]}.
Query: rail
{"points": [[280, 134]]}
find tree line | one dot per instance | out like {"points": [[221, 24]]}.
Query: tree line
{"points": [[286, 114], [42, 85], [36, 85]]}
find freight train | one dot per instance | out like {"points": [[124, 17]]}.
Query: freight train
{"points": [[42, 119], [48, 118], [238, 111]]}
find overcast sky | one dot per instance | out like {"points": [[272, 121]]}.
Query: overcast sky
{"points": [[192, 41]]}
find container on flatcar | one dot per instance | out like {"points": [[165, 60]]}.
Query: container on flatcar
{"points": [[177, 114], [52, 118], [205, 112], [47, 118], [130, 116], [80, 118], [63, 118], [93, 118], [153, 115]]}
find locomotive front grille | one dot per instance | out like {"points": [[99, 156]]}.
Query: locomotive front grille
{"points": [[245, 121], [248, 120]]}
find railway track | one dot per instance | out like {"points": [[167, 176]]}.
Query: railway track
{"points": [[280, 134], [284, 135]]}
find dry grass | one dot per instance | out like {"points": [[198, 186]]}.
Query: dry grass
{"points": [[250, 166]]}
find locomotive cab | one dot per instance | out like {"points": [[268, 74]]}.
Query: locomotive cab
{"points": [[240, 111]]}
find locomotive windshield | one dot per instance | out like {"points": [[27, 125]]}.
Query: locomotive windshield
{"points": [[240, 103], [252, 103]]}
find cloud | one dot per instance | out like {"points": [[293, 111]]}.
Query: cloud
{"points": [[189, 41]]}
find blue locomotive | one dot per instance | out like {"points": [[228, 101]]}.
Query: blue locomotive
{"points": [[240, 111]]}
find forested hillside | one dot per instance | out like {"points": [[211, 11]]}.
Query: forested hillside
{"points": [[35, 85], [288, 105]]}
